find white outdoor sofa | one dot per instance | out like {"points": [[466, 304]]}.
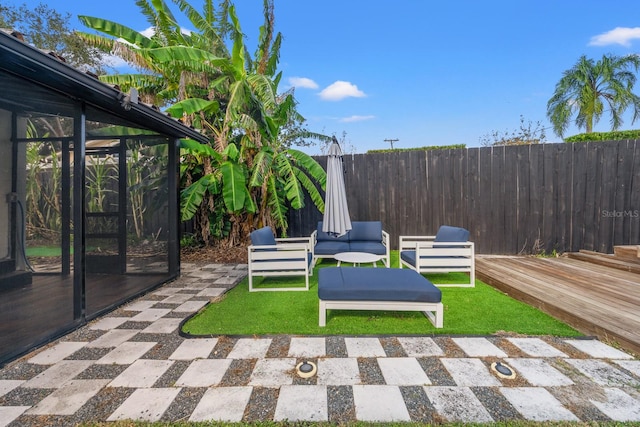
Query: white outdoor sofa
{"points": [[268, 256], [448, 251]]}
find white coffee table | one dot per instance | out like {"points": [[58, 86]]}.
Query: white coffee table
{"points": [[356, 258]]}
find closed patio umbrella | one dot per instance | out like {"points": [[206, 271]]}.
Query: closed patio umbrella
{"points": [[336, 219]]}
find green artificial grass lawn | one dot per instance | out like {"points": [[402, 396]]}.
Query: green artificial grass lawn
{"points": [[469, 311]]}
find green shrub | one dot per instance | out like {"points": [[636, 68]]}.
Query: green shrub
{"points": [[604, 136]]}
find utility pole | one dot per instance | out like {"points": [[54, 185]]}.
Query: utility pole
{"points": [[391, 141]]}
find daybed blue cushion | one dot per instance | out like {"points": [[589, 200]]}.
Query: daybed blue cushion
{"points": [[447, 233], [366, 230], [375, 284], [263, 236]]}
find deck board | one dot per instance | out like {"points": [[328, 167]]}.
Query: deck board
{"points": [[594, 299]]}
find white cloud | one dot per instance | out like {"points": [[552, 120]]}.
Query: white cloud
{"points": [[303, 82], [356, 119], [619, 35], [340, 90]]}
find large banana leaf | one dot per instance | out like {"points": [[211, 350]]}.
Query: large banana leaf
{"points": [[234, 190], [311, 188], [118, 30], [198, 148], [192, 106], [309, 164], [191, 197], [276, 203]]}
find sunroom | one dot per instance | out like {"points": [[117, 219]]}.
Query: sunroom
{"points": [[88, 197]]}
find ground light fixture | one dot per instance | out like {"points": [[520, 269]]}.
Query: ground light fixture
{"points": [[306, 369], [502, 370]]}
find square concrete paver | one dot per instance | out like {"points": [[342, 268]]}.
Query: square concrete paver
{"points": [[204, 373], [302, 403], [163, 326], [249, 348], [166, 291], [402, 371], [538, 372], [307, 347], [598, 349], [57, 353], [10, 413], [57, 375], [632, 366], [340, 371], [211, 292], [479, 347], [142, 373], [113, 338], [139, 305], [273, 372], [108, 323], [190, 306], [535, 347], [222, 404], [382, 403], [177, 298], [420, 346], [126, 353], [537, 404], [145, 404], [364, 347], [619, 405], [457, 404], [68, 399], [150, 315], [198, 348], [602, 373], [469, 372]]}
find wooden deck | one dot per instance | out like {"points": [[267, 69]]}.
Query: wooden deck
{"points": [[594, 299]]}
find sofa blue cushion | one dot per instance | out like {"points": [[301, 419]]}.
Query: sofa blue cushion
{"points": [[263, 236], [369, 247], [447, 233], [327, 247], [375, 284], [322, 236], [366, 230]]}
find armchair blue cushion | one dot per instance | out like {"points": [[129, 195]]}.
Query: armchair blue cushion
{"points": [[263, 237], [447, 233]]}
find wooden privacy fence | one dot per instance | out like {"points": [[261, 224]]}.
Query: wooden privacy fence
{"points": [[517, 199]]}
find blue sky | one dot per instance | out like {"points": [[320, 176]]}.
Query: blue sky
{"points": [[421, 71]]}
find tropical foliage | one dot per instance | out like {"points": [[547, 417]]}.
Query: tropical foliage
{"points": [[591, 88], [248, 176]]}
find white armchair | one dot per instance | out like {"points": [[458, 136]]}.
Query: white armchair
{"points": [[268, 256], [446, 252]]}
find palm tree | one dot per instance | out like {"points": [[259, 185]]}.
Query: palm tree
{"points": [[588, 87]]}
